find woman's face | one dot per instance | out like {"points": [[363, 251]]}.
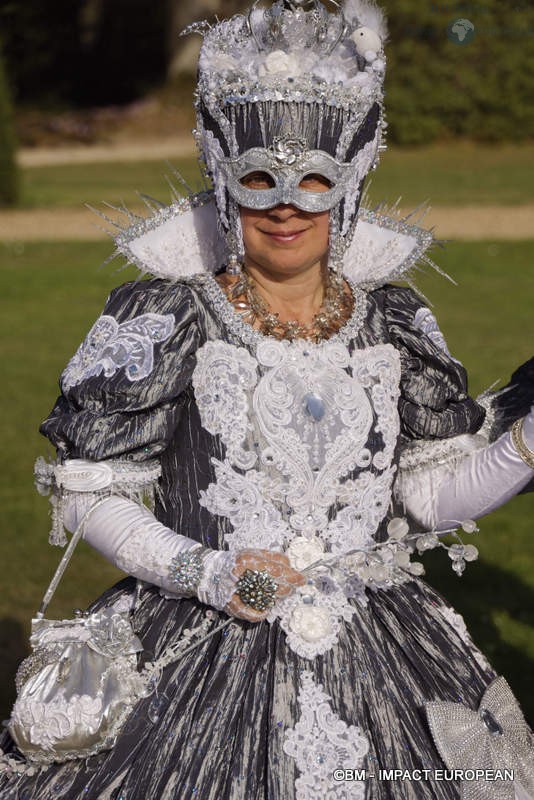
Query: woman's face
{"points": [[285, 240]]}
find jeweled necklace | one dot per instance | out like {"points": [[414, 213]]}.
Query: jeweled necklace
{"points": [[335, 310]]}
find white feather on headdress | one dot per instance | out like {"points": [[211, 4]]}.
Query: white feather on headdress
{"points": [[367, 13]]}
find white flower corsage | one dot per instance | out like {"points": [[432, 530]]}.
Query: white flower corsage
{"points": [[302, 552]]}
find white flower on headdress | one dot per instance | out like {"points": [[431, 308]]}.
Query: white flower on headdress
{"points": [[310, 622], [279, 61], [223, 62], [327, 71], [379, 65], [362, 78]]}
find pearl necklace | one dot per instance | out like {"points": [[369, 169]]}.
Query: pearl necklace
{"points": [[335, 310]]}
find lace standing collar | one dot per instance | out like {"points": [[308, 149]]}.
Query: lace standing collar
{"points": [[182, 240]]}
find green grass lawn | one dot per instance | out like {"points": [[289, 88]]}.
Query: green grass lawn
{"points": [[454, 174], [51, 295]]}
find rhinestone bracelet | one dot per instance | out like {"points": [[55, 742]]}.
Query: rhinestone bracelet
{"points": [[518, 442], [186, 569]]}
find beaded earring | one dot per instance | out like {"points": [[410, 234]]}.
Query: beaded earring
{"points": [[336, 245], [233, 266], [234, 239]]}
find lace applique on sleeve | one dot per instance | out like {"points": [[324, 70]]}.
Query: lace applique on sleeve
{"points": [[110, 346]]}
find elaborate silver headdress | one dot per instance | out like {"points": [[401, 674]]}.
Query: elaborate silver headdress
{"points": [[292, 90]]}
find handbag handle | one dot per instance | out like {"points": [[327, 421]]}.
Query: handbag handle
{"points": [[54, 583]]}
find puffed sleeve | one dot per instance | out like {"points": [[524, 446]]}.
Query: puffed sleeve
{"points": [[120, 393], [434, 402]]}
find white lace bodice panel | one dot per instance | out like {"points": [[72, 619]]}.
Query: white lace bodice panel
{"points": [[309, 432], [296, 421]]}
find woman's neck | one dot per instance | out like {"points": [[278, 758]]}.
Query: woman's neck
{"points": [[307, 306], [295, 297]]}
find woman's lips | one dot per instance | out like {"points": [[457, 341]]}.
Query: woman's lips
{"points": [[285, 238]]}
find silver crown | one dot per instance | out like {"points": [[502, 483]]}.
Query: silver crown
{"points": [[306, 24]]}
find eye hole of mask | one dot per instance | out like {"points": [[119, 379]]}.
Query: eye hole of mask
{"points": [[258, 181], [315, 183]]}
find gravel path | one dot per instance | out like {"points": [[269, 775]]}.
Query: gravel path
{"points": [[466, 223], [156, 150], [469, 223]]}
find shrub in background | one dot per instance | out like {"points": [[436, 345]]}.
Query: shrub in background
{"points": [[437, 88], [97, 52]]}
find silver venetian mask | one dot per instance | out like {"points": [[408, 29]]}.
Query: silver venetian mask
{"points": [[287, 163]]}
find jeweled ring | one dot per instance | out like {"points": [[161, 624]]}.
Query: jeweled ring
{"points": [[257, 589]]}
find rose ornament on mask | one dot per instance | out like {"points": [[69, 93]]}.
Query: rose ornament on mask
{"points": [[288, 151]]}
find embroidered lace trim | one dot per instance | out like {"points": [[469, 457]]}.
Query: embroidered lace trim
{"points": [[297, 421], [322, 743], [434, 452], [426, 322], [137, 481]]}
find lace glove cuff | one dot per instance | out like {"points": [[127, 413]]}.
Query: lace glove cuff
{"points": [[217, 584]]}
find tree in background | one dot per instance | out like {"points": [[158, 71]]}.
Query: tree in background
{"points": [[123, 53], [8, 166], [98, 52], [41, 49], [439, 88]]}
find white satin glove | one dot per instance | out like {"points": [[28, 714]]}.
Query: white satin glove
{"points": [[131, 538], [528, 429], [446, 495]]}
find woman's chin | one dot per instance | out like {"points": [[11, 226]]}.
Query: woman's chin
{"points": [[285, 262]]}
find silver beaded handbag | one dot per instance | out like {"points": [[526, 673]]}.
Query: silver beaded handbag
{"points": [[76, 689], [80, 683]]}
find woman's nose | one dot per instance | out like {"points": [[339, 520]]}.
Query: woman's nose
{"points": [[283, 212]]}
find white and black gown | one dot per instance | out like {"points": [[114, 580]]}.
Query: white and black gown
{"points": [[263, 442]]}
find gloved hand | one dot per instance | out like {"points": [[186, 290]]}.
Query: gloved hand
{"points": [[277, 565]]}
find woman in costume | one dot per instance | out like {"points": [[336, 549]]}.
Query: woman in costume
{"points": [[307, 435]]}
